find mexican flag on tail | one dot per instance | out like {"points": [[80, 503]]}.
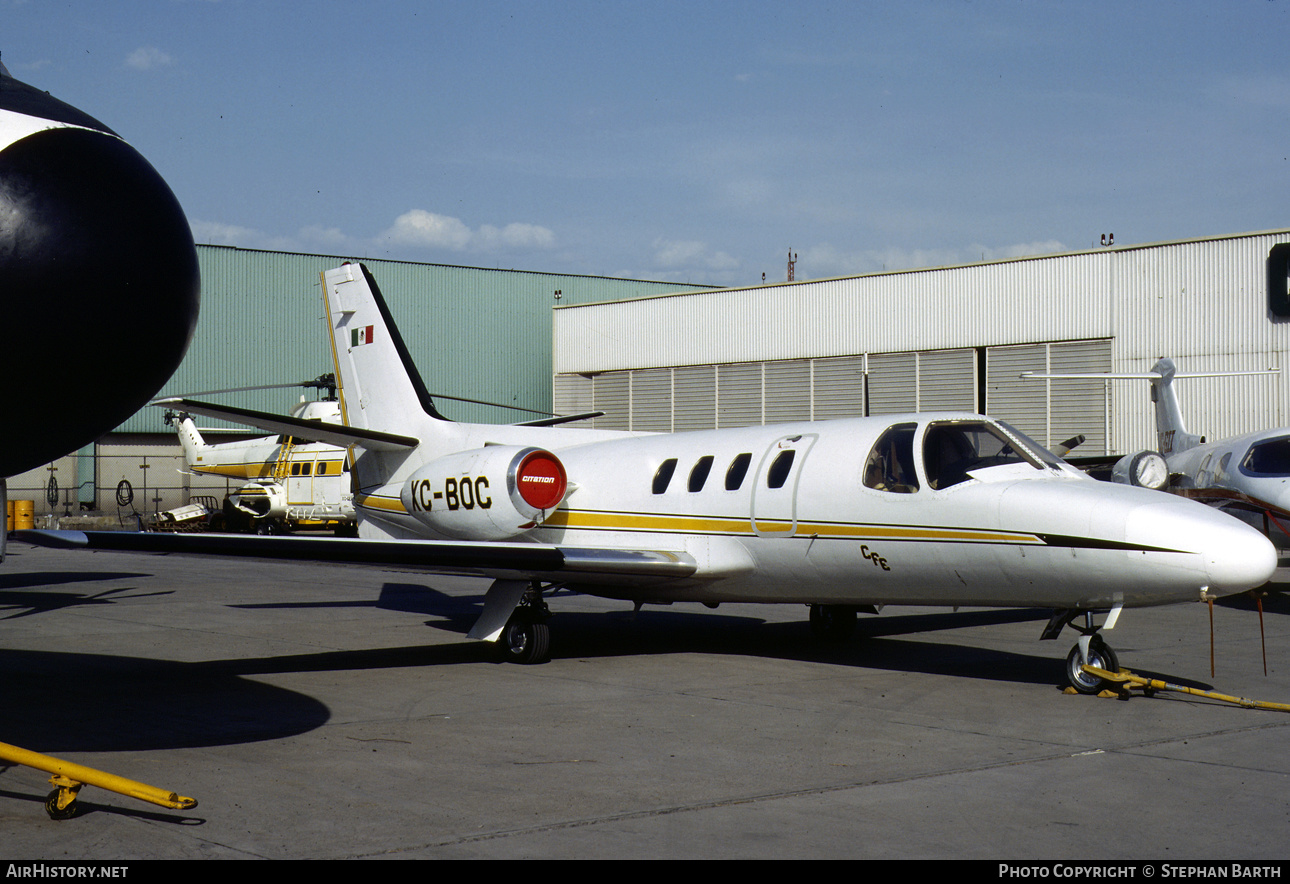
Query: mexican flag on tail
{"points": [[360, 336]]}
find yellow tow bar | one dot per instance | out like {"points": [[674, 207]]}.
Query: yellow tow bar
{"points": [[67, 779], [1151, 685]]}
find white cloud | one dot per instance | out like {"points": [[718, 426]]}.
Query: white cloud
{"points": [[217, 233], [417, 229], [325, 240], [429, 230], [683, 254], [421, 228], [529, 236], [147, 57]]}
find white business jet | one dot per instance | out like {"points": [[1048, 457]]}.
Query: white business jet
{"points": [[1247, 476], [848, 515]]}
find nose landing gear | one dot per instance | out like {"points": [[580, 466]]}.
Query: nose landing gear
{"points": [[1090, 650]]}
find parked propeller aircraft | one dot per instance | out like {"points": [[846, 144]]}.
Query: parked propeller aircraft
{"points": [[1247, 476], [843, 516], [293, 483]]}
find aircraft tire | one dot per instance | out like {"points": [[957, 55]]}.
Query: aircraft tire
{"points": [[526, 641], [1101, 655], [834, 623]]}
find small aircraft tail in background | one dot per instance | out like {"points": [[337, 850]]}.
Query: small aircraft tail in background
{"points": [[1171, 435]]}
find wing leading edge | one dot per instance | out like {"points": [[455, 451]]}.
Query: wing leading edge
{"points": [[572, 565], [315, 431]]}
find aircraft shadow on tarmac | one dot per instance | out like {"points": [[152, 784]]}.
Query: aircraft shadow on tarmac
{"points": [[670, 630], [879, 642], [59, 702], [136, 704], [16, 600]]}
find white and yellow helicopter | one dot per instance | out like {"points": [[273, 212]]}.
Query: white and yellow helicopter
{"points": [[842, 516], [291, 482]]}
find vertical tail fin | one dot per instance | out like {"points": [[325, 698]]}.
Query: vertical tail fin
{"points": [[1172, 435], [190, 439], [378, 385]]}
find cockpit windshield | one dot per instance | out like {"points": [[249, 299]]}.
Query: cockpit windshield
{"points": [[1268, 458], [953, 449]]}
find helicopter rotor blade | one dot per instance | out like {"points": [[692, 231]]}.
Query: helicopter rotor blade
{"points": [[327, 381]]}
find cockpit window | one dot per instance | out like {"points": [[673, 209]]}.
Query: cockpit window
{"points": [[1268, 458], [890, 466], [951, 450]]}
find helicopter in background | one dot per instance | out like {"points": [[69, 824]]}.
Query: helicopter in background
{"points": [[291, 482]]}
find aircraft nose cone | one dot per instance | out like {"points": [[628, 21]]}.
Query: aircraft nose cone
{"points": [[101, 285], [1233, 557], [1238, 558]]}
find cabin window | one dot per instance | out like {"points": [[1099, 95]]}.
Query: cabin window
{"points": [[305, 468], [664, 475], [777, 475], [1268, 458], [322, 468], [295, 469], [738, 469], [890, 466], [699, 474]]}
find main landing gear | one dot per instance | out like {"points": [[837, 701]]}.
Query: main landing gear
{"points": [[834, 623], [527, 638], [837, 623], [1091, 649]]}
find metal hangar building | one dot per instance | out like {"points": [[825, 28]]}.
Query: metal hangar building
{"points": [[951, 338]]}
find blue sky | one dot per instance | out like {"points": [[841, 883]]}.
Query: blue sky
{"points": [[693, 142]]}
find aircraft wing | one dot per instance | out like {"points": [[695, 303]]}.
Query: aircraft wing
{"points": [[315, 431], [524, 561]]}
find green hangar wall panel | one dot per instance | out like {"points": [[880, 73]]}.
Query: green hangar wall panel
{"points": [[473, 332]]}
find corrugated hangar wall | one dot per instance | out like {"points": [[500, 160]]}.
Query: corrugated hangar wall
{"points": [[473, 332], [948, 338]]}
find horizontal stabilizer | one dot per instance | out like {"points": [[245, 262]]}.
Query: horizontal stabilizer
{"points": [[314, 431], [514, 560], [1140, 375]]}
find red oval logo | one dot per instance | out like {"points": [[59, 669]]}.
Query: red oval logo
{"points": [[541, 480]]}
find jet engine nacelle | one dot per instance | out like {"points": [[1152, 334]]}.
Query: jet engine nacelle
{"points": [[489, 493], [1145, 469], [267, 500]]}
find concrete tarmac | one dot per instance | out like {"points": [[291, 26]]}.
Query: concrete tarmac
{"points": [[325, 712]]}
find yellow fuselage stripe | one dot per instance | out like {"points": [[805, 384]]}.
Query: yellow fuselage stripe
{"points": [[730, 525]]}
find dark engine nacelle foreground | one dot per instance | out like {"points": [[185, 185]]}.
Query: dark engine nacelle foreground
{"points": [[486, 494], [99, 283]]}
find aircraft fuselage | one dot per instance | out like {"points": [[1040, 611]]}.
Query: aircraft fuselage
{"points": [[1011, 534]]}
